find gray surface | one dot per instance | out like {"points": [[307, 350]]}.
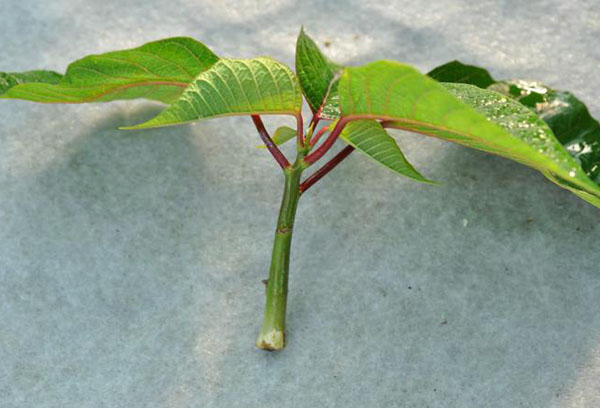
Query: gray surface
{"points": [[130, 262]]}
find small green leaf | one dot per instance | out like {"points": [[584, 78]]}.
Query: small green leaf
{"points": [[318, 77], [457, 72], [158, 71], [368, 137], [482, 119], [282, 134], [234, 87]]}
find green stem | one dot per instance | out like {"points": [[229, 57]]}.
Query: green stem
{"points": [[272, 332]]}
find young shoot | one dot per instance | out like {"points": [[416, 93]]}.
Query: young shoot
{"points": [[549, 130]]}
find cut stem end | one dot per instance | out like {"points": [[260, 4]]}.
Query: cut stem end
{"points": [[270, 339]]}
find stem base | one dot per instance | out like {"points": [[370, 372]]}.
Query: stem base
{"points": [[272, 332], [270, 339]]}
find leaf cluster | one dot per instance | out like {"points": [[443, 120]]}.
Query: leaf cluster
{"points": [[526, 121]]}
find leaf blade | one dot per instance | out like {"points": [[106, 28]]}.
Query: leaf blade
{"points": [[9, 80], [370, 138], [234, 87], [318, 77], [159, 70], [565, 114], [411, 101]]}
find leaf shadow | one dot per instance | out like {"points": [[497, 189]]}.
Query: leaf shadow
{"points": [[104, 246], [482, 279]]}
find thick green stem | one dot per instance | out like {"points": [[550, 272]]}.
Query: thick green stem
{"points": [[272, 332]]}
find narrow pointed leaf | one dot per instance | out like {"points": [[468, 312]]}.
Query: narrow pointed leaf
{"points": [[368, 137], [318, 77], [234, 87], [465, 114], [282, 134], [457, 72], [158, 70]]}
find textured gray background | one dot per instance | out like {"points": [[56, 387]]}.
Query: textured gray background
{"points": [[130, 262]]}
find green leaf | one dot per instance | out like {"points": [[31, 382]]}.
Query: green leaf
{"points": [[457, 72], [158, 71], [370, 138], [318, 76], [234, 87], [566, 115], [282, 134], [478, 118], [10, 80]]}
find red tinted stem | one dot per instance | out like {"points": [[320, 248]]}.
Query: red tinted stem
{"points": [[299, 131], [321, 150], [327, 167], [317, 136], [264, 135]]}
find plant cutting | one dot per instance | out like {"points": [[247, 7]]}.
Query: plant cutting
{"points": [[355, 106]]}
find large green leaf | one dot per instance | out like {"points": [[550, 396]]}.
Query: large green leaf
{"points": [[566, 115], [519, 124], [318, 77], [158, 71], [235, 87], [370, 138], [465, 114]]}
